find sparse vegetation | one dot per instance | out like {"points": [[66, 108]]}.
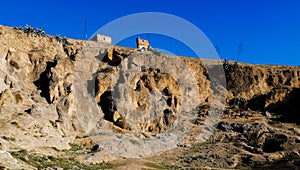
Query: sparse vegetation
{"points": [[31, 30], [63, 40], [75, 147], [256, 138], [42, 162], [155, 166], [81, 137], [228, 67]]}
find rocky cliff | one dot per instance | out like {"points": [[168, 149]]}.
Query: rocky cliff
{"points": [[63, 99]]}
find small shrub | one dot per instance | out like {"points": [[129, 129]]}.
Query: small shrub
{"points": [[63, 40], [229, 67], [75, 147], [31, 30], [256, 138]]}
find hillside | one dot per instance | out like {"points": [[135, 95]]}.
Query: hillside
{"points": [[77, 104]]}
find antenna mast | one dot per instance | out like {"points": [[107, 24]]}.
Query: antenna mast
{"points": [[85, 29]]}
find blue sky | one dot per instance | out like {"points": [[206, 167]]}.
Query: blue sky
{"points": [[268, 29]]}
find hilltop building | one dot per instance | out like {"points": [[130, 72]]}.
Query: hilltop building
{"points": [[142, 44], [102, 38]]}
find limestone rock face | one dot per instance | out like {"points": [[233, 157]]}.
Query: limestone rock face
{"points": [[151, 91], [36, 77], [247, 80], [93, 102]]}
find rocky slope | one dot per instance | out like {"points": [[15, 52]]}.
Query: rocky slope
{"points": [[80, 104]]}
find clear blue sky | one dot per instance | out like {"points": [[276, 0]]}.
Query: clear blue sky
{"points": [[268, 29]]}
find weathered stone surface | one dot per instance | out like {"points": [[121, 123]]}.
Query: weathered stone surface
{"points": [[118, 102]]}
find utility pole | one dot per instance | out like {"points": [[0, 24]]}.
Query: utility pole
{"points": [[240, 50], [218, 50]]}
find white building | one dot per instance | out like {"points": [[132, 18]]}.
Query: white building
{"points": [[102, 38]]}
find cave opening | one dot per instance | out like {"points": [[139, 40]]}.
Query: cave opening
{"points": [[107, 105], [43, 83]]}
